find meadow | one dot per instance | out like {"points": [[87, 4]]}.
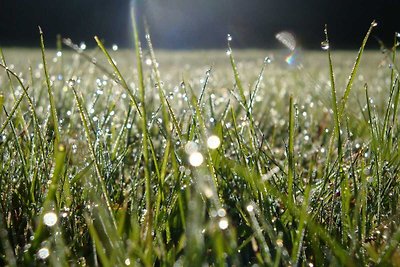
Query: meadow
{"points": [[146, 157]]}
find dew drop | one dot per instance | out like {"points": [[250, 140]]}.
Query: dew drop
{"points": [[43, 253], [148, 61], [191, 147], [250, 208], [325, 45], [71, 82], [59, 54], [221, 212], [208, 192], [229, 37], [228, 52], [374, 23], [82, 46], [267, 60], [127, 262], [61, 147], [223, 224], [196, 159], [213, 142], [114, 47], [50, 219], [397, 34]]}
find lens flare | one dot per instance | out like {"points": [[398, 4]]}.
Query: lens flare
{"points": [[287, 39]]}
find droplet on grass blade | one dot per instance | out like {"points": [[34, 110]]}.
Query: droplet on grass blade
{"points": [[71, 82], [82, 46], [43, 253], [221, 212], [325, 45], [213, 142], [50, 219], [223, 224], [374, 23], [229, 37], [114, 47], [250, 208], [196, 159]]}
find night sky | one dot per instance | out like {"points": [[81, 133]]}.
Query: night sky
{"points": [[187, 24]]}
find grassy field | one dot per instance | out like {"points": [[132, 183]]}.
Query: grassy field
{"points": [[196, 158]]}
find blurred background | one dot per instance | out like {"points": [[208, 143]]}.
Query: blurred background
{"points": [[195, 24]]}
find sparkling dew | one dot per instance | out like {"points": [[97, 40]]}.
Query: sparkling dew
{"points": [[213, 142], [50, 219]]}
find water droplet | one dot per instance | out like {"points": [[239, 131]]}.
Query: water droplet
{"points": [[50, 219], [196, 159], [250, 208], [208, 192], [267, 60], [61, 147], [229, 37], [374, 23], [127, 262], [182, 168], [221, 212], [43, 253], [228, 52], [325, 45], [213, 142], [148, 61], [397, 34], [114, 47], [71, 82], [59, 54], [223, 224], [82, 46], [191, 147]]}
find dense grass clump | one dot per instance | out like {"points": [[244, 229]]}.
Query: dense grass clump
{"points": [[102, 164]]}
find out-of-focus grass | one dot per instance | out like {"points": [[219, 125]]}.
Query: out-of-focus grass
{"points": [[150, 157]]}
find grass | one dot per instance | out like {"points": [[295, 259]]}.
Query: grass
{"points": [[103, 163]]}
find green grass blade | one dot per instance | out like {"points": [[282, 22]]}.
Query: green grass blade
{"points": [[291, 164], [119, 75], [354, 71], [93, 154], [49, 90]]}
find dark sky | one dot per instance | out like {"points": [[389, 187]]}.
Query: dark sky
{"points": [[185, 24]]}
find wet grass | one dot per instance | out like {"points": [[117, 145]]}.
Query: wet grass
{"points": [[192, 158]]}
